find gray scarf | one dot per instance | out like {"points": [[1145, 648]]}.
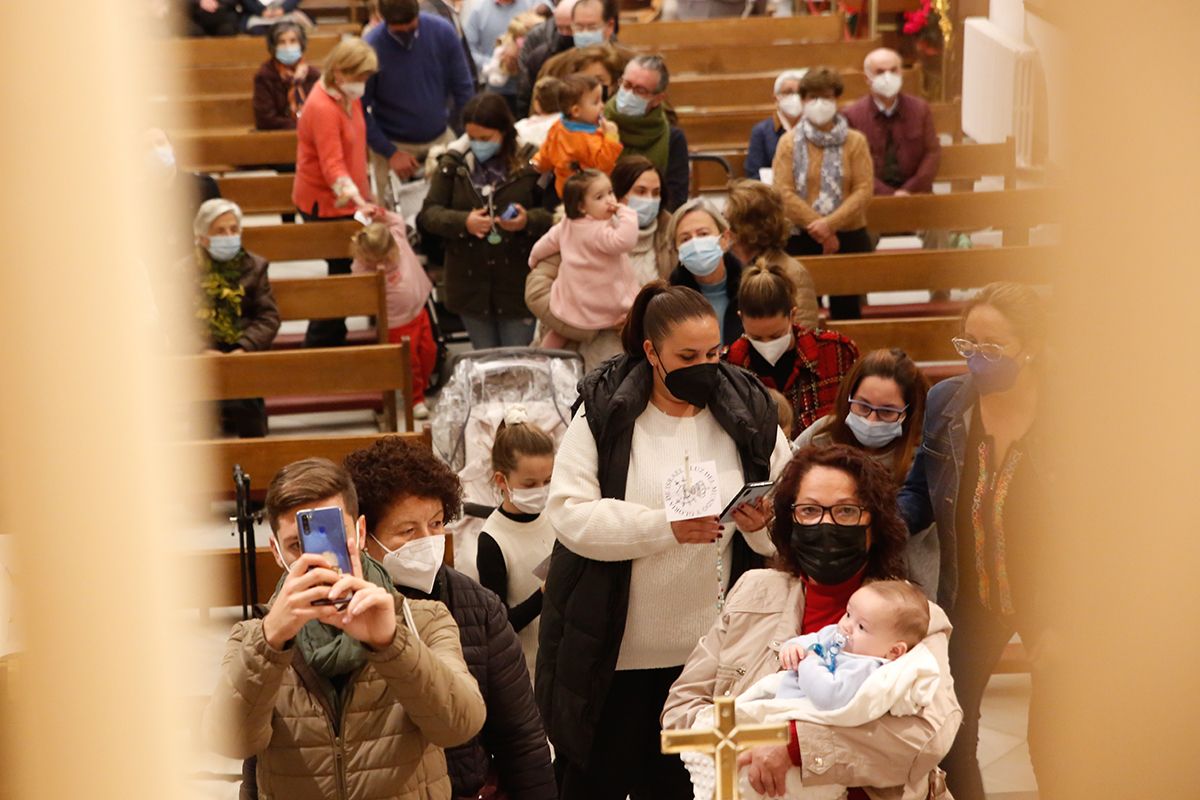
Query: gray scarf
{"points": [[830, 196]]}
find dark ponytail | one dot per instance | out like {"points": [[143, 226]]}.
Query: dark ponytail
{"points": [[657, 309]]}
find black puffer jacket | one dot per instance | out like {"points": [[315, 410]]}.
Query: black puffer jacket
{"points": [[512, 739], [585, 603]]}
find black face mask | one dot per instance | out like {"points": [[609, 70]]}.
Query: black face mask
{"points": [[692, 384], [829, 553]]}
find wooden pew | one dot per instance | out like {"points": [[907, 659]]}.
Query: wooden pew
{"points": [[383, 368], [752, 32], [334, 296], [923, 338], [1013, 212], [188, 52], [259, 194], [215, 151], [260, 459], [298, 242], [700, 91], [896, 271], [961, 164]]}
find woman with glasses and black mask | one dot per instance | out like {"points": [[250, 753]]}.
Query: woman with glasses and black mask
{"points": [[631, 587], [980, 475], [835, 528]]}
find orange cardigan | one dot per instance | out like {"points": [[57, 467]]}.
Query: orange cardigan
{"points": [[330, 144], [564, 149]]}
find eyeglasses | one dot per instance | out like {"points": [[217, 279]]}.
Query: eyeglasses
{"points": [[883, 413], [641, 92], [966, 348], [841, 514]]}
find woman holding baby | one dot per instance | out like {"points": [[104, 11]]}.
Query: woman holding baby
{"points": [[836, 530]]}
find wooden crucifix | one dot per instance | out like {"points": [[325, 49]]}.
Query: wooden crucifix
{"points": [[723, 743]]}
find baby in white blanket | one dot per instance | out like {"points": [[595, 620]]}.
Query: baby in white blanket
{"points": [[869, 664]]}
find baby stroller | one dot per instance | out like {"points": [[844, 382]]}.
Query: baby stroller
{"points": [[481, 386]]}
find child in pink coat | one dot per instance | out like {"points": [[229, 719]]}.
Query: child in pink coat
{"points": [[595, 286], [384, 246]]}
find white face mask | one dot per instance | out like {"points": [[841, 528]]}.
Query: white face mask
{"points": [[820, 110], [415, 564], [887, 84], [529, 501], [791, 105], [353, 90], [773, 349]]}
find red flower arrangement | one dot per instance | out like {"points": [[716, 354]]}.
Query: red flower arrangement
{"points": [[915, 21]]}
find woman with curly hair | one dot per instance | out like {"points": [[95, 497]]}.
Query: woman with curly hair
{"points": [[836, 526], [407, 496]]}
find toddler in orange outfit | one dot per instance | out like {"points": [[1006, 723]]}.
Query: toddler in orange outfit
{"points": [[581, 139]]}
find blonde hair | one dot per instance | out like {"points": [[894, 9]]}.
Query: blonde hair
{"points": [[1017, 303], [352, 57], [374, 243], [766, 291], [787, 415], [518, 437], [909, 606]]}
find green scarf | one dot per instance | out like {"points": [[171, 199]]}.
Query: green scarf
{"points": [[328, 650], [648, 135], [221, 307]]}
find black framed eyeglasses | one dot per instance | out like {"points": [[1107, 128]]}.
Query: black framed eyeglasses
{"points": [[966, 348], [841, 513], [882, 413]]}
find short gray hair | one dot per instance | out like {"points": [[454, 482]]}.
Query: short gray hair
{"points": [[696, 204], [210, 210], [789, 75], [879, 51], [656, 63]]}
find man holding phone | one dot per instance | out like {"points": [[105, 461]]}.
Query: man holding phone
{"points": [[343, 699]]}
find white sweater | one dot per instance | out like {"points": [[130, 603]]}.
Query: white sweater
{"points": [[673, 590]]}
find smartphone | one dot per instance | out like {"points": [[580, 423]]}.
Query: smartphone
{"points": [[747, 494], [323, 533], [510, 213]]}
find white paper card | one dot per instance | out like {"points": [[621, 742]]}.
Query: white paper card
{"points": [[698, 497], [362, 217]]}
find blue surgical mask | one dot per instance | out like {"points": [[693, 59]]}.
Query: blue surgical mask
{"points": [[588, 38], [484, 150], [646, 208], [224, 248], [702, 255], [288, 55], [630, 104], [873, 435], [993, 376]]}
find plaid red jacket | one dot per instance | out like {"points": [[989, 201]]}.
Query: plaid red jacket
{"points": [[822, 359]]}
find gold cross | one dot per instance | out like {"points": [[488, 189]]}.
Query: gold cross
{"points": [[723, 743]]}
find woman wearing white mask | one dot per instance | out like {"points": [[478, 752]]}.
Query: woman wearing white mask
{"points": [[765, 136], [331, 158], [406, 496], [807, 366], [240, 314], [518, 537], [702, 239], [828, 182]]}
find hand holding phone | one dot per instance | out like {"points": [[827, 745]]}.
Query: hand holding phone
{"points": [[510, 213], [309, 580], [323, 533], [747, 494]]}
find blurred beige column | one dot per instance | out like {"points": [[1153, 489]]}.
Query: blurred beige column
{"points": [[1125, 541], [83, 481]]}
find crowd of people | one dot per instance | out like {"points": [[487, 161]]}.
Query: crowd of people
{"points": [[557, 207]]}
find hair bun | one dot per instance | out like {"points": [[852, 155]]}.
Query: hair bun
{"points": [[516, 414]]}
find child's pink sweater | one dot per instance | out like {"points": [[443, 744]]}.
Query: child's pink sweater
{"points": [[408, 287], [595, 286]]}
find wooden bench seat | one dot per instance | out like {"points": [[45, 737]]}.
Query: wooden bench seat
{"points": [[745, 32], [297, 242], [191, 52]]}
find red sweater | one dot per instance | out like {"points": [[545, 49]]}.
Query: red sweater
{"points": [[330, 144]]}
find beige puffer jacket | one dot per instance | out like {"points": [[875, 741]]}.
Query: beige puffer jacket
{"points": [[894, 758], [401, 708]]}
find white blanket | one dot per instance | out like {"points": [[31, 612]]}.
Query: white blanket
{"points": [[902, 688]]}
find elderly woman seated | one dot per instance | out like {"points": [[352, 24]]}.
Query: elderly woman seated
{"points": [[764, 138]]}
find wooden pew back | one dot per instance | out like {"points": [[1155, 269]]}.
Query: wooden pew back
{"points": [[752, 32], [297, 242]]}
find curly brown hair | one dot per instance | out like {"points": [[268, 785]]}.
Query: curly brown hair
{"points": [[755, 213], [876, 491], [392, 469]]}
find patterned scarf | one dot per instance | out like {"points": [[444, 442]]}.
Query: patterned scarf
{"points": [[221, 306], [998, 485], [296, 94], [831, 141]]}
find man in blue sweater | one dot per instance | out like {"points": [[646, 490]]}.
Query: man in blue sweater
{"points": [[422, 84]]}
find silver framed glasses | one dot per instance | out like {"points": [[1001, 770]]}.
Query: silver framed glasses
{"points": [[841, 513], [967, 348], [863, 409]]}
